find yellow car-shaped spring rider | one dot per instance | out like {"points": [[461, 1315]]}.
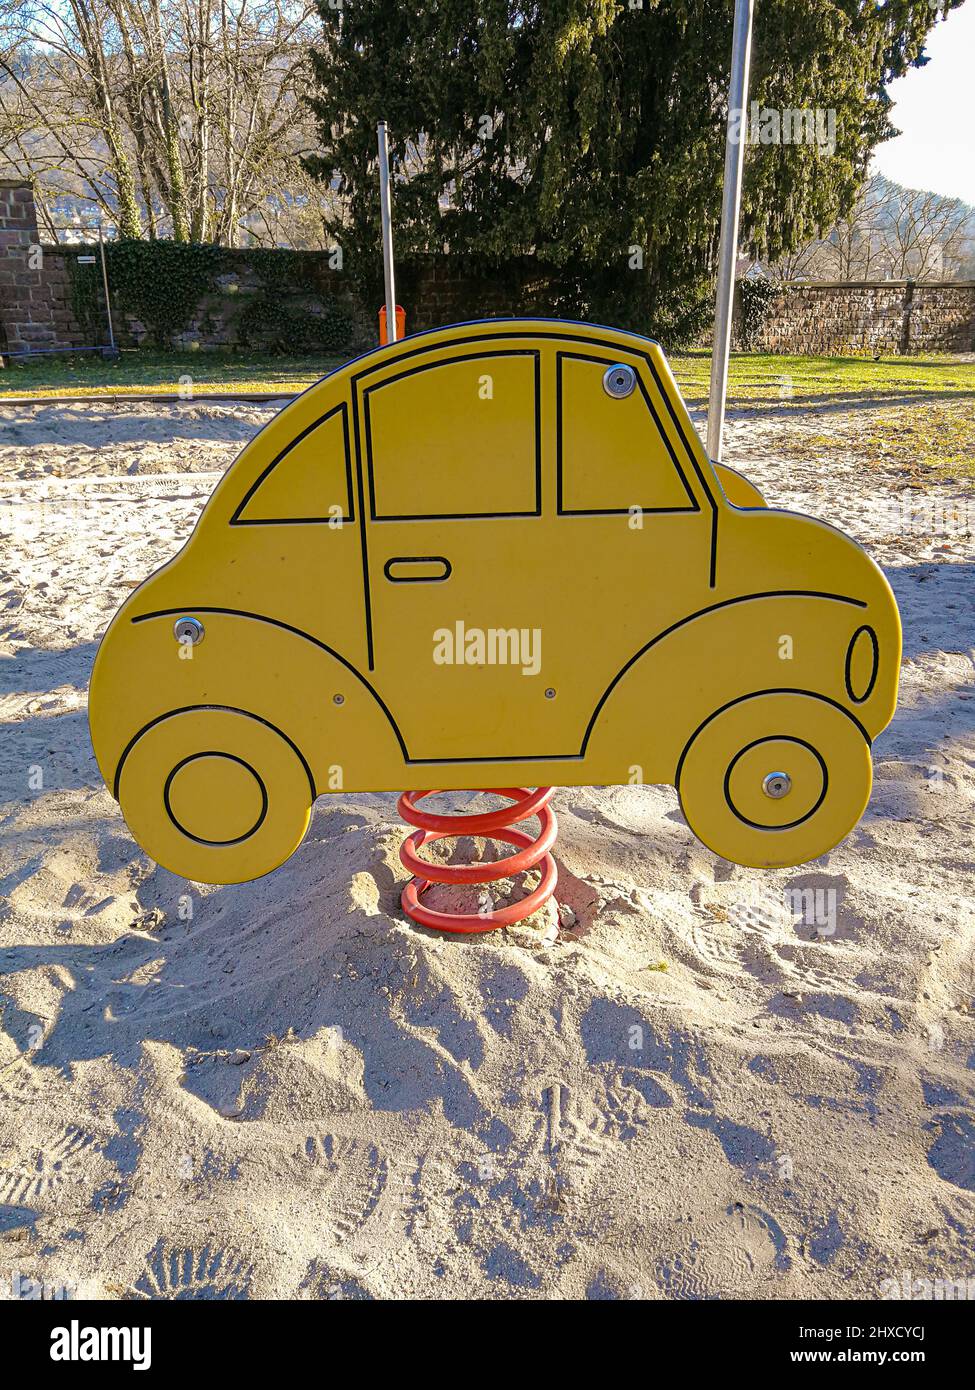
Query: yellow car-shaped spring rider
{"points": [[495, 554]]}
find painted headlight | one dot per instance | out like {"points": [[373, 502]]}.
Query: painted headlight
{"points": [[862, 658]]}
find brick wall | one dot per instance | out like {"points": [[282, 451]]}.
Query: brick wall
{"points": [[214, 320], [433, 293], [57, 283], [26, 315], [884, 318], [36, 304], [829, 318]]}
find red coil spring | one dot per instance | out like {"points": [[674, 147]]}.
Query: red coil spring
{"points": [[493, 825]]}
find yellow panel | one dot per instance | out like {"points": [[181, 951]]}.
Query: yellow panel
{"points": [[216, 798], [455, 438], [738, 490], [821, 751], [614, 454], [455, 627], [310, 480]]}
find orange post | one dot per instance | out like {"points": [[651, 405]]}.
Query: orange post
{"points": [[400, 325]]}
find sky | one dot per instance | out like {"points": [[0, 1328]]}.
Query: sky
{"points": [[933, 107]]}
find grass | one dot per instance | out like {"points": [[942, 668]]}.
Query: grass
{"points": [[154, 373], [911, 414], [789, 382], [931, 437], [755, 380]]}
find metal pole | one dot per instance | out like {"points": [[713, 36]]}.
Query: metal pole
{"points": [[730, 207], [108, 302], [387, 217]]}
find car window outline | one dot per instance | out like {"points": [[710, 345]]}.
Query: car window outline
{"points": [[560, 510], [445, 361], [349, 514]]}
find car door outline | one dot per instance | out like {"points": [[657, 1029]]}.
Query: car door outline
{"points": [[362, 388]]}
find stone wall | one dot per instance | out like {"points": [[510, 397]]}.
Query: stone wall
{"points": [[829, 318], [433, 292], [216, 320], [56, 282], [884, 319], [26, 315]]}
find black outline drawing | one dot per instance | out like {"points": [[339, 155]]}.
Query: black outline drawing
{"points": [[216, 753], [560, 510], [784, 738], [848, 668], [193, 709], [507, 335], [239, 520], [450, 361], [418, 560], [505, 757]]}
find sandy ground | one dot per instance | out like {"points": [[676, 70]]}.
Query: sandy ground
{"points": [[285, 1090]]}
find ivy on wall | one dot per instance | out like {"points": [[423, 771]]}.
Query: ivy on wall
{"points": [[265, 321], [161, 282], [756, 298], [84, 283], [171, 287]]}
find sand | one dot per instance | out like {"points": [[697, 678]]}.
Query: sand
{"points": [[284, 1089]]}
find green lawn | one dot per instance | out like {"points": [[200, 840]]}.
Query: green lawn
{"points": [[766, 379], [87, 374], [913, 415], [754, 379], [918, 412]]}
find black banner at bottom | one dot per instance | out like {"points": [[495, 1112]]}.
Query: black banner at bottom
{"points": [[132, 1338]]}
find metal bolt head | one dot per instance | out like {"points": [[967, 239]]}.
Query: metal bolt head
{"points": [[189, 630], [338, 699], [619, 381], [776, 785], [550, 693]]}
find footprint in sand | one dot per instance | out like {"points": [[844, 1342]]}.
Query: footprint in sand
{"points": [[783, 932], [551, 1168], [415, 1205], [613, 1105], [716, 946], [47, 1168], [182, 1273], [19, 1085], [726, 1257], [324, 1282], [354, 1177], [421, 1193]]}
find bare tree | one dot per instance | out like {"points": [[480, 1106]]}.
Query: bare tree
{"points": [[855, 249], [891, 233], [805, 263], [175, 117], [45, 132], [930, 236]]}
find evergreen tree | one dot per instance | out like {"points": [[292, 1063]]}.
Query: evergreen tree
{"points": [[589, 134]]}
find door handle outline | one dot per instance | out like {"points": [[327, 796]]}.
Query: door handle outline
{"points": [[417, 560]]}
